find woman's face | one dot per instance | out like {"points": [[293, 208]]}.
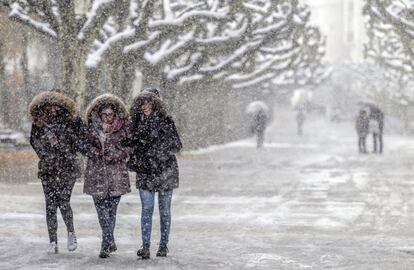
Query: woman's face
{"points": [[52, 114], [147, 107], [52, 110], [107, 116]]}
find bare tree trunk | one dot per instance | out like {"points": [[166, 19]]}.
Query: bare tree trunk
{"points": [[68, 65], [73, 56], [3, 90], [54, 66], [128, 77], [26, 76], [80, 79], [74, 71], [114, 73], [92, 84], [25, 63]]}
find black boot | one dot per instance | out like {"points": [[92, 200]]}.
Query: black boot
{"points": [[104, 253], [144, 252], [162, 250], [112, 247]]}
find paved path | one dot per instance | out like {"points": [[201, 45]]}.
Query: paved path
{"points": [[299, 203]]}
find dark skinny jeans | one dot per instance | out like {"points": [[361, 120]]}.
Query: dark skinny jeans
{"points": [[106, 209], [57, 195]]}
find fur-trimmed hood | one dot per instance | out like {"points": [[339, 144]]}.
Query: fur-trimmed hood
{"points": [[146, 95], [103, 100], [40, 101]]}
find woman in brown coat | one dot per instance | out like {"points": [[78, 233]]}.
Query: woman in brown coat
{"points": [[106, 176]]}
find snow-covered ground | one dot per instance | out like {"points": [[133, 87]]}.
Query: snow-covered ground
{"points": [[299, 203]]}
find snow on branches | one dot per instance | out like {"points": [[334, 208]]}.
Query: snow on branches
{"points": [[390, 28], [244, 42], [261, 42]]}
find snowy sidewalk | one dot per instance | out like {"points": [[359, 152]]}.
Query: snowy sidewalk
{"points": [[299, 203]]}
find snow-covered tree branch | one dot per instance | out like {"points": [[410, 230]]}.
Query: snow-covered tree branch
{"points": [[390, 28], [262, 43], [391, 31], [242, 42]]}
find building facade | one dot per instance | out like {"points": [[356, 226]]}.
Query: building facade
{"points": [[343, 24]]}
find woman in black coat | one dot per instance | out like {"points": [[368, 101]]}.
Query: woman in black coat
{"points": [[154, 141], [55, 137]]}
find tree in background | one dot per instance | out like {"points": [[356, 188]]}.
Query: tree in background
{"points": [[2, 78], [393, 22], [390, 46], [272, 42], [246, 43]]}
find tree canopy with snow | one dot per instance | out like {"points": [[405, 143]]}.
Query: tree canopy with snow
{"points": [[244, 43], [390, 28]]}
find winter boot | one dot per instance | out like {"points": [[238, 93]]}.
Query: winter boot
{"points": [[72, 242], [144, 252], [162, 250], [104, 253], [53, 248], [112, 247]]}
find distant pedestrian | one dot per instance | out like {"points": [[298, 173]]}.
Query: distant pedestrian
{"points": [[258, 112], [376, 118], [300, 119], [154, 140], [55, 137], [106, 176], [362, 129]]}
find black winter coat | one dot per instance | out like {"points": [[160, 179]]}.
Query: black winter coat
{"points": [[154, 141], [377, 115], [57, 149], [259, 122], [362, 126]]}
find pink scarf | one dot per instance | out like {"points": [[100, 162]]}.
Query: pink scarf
{"points": [[116, 125]]}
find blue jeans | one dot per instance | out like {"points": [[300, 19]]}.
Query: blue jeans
{"points": [[164, 205], [106, 209]]}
